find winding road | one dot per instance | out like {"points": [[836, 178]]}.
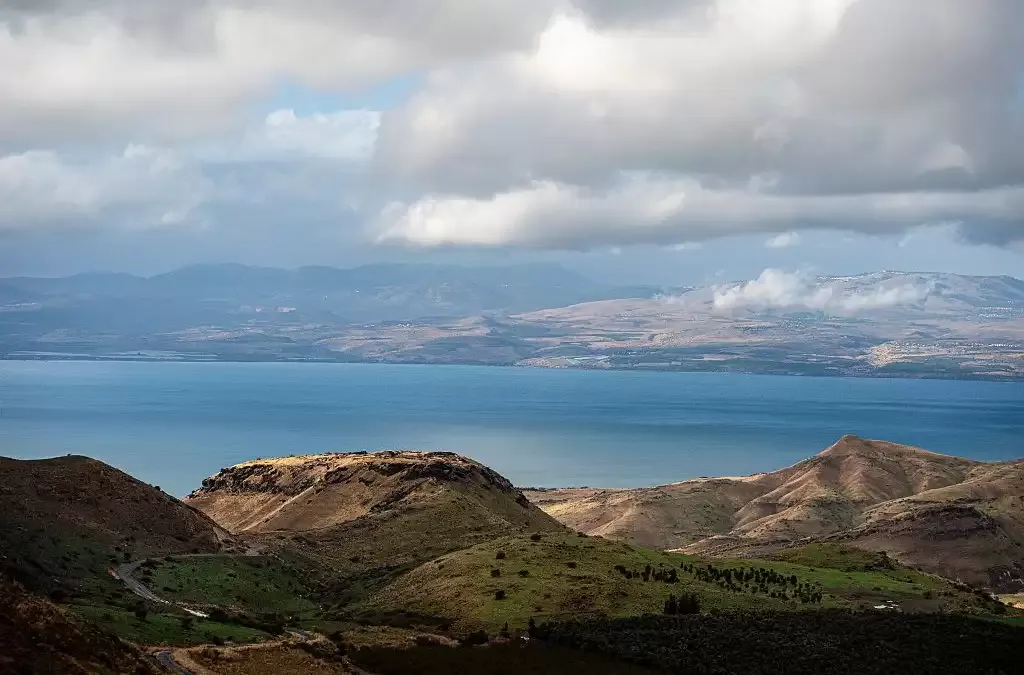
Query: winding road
{"points": [[165, 657]]}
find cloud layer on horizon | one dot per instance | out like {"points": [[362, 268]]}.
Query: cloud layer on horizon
{"points": [[782, 290], [537, 124]]}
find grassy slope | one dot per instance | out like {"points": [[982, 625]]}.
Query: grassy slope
{"points": [[460, 585], [261, 585], [165, 627]]}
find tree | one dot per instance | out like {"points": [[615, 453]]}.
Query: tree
{"points": [[141, 611], [671, 606], [531, 628], [504, 631]]}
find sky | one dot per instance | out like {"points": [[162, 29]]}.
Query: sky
{"points": [[657, 141]]}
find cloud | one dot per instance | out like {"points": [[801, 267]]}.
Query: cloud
{"points": [[778, 289], [96, 68], [287, 167], [784, 240], [146, 185], [659, 210], [579, 124], [799, 100]]}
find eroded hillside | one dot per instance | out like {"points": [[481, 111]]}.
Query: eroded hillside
{"points": [[370, 509], [957, 517]]}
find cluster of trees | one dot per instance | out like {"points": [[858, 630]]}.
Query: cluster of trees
{"points": [[649, 573], [756, 580], [740, 580]]}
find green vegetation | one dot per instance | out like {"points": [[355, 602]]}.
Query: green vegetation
{"points": [[830, 641], [569, 577], [835, 556], [156, 626], [261, 585], [58, 563]]}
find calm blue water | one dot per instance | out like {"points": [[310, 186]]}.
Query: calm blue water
{"points": [[173, 424]]}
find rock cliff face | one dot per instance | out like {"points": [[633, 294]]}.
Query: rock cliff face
{"points": [[953, 516], [314, 492]]}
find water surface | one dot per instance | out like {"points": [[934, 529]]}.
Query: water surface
{"points": [[172, 424]]}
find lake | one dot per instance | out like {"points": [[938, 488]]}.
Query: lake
{"points": [[173, 424]]}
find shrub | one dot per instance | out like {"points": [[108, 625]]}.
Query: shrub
{"points": [[495, 573], [535, 536], [571, 565], [500, 555], [499, 594], [524, 573]]}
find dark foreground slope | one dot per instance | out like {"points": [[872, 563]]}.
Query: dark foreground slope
{"points": [[812, 643], [63, 521], [38, 637]]}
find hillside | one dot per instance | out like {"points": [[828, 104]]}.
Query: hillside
{"points": [[38, 637], [63, 521], [365, 510], [949, 515], [566, 576]]}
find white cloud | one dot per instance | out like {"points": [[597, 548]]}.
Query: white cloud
{"points": [[99, 67], [778, 289], [784, 240], [644, 209], [152, 185], [343, 135]]}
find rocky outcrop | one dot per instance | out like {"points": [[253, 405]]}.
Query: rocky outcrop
{"points": [[317, 491]]}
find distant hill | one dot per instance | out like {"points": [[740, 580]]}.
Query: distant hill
{"points": [[38, 637], [364, 510], [379, 292], [63, 521], [952, 516], [892, 324]]}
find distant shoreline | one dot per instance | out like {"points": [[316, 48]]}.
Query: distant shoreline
{"points": [[823, 373]]}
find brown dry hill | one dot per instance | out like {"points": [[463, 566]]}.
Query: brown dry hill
{"points": [[370, 509], [64, 520], [38, 637], [957, 517]]}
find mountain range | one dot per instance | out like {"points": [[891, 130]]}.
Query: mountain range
{"points": [[876, 324]]}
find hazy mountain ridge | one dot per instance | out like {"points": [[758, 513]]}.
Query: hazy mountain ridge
{"points": [[953, 516], [882, 323]]}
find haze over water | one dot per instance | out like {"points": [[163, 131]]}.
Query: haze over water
{"points": [[173, 424]]}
